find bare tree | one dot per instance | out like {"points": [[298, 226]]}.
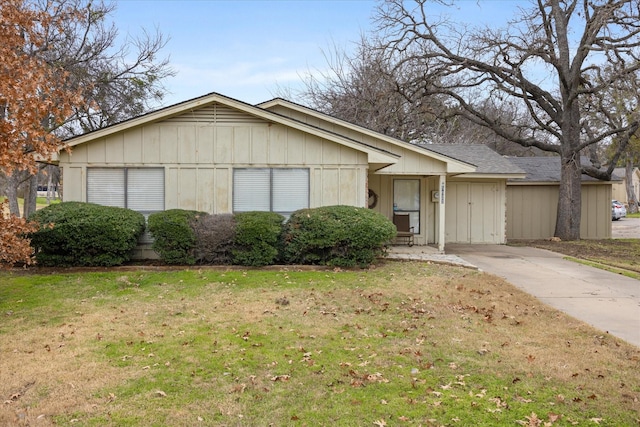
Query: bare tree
{"points": [[538, 65], [363, 88], [115, 82]]}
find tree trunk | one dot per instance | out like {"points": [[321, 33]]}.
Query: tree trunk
{"points": [[49, 187], [570, 198], [30, 196], [13, 181], [632, 199]]}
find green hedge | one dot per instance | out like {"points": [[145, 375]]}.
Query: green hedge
{"points": [[257, 240], [85, 234], [343, 236], [174, 238]]}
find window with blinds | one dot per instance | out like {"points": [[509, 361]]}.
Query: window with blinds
{"points": [[269, 189], [138, 189]]}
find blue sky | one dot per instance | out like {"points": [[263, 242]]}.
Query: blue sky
{"points": [[247, 49]]}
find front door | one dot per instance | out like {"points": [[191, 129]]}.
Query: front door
{"points": [[406, 200]]}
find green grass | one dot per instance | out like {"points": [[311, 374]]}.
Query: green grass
{"points": [[400, 344]]}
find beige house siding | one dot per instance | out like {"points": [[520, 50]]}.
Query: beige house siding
{"points": [[411, 161], [475, 211], [619, 190], [532, 209], [199, 151]]}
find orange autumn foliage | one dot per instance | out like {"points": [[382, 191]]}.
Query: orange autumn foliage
{"points": [[35, 95]]}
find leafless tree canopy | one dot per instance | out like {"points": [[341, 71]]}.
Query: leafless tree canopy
{"points": [[545, 68], [117, 80], [364, 88]]}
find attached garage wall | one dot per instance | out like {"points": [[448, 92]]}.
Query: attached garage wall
{"points": [[200, 149], [532, 209], [475, 212]]}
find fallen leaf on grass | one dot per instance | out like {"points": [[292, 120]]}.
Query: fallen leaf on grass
{"points": [[380, 423], [160, 393]]}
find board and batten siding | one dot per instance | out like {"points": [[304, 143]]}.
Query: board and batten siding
{"points": [[200, 149], [409, 163], [475, 212], [532, 210]]}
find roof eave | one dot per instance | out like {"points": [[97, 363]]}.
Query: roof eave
{"points": [[453, 165], [493, 175], [375, 155]]}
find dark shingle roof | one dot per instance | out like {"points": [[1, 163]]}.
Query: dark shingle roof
{"points": [[546, 169], [484, 158]]}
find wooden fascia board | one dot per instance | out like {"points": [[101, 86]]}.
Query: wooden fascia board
{"points": [[453, 165], [551, 183], [493, 175]]}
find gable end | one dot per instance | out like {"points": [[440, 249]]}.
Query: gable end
{"points": [[215, 114]]}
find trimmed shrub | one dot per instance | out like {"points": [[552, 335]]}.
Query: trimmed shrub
{"points": [[343, 236], [214, 238], [257, 240], [85, 234], [174, 239]]}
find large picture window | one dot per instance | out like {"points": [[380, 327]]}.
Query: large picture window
{"points": [[277, 190], [139, 189]]}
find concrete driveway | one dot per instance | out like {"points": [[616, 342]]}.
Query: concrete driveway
{"points": [[626, 228], [607, 301]]}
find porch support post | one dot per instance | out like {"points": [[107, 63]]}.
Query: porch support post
{"points": [[442, 184]]}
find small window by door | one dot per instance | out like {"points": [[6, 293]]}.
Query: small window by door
{"points": [[406, 200]]}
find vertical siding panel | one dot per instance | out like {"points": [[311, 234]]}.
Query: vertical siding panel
{"points": [[316, 187], [278, 146], [205, 189], [78, 154], [259, 145], [171, 188], [296, 149], [96, 151], [133, 145], [187, 147], [223, 149], [330, 153], [242, 145], [168, 144], [151, 145], [187, 184], [74, 184], [330, 187], [205, 145], [349, 187], [312, 148], [348, 156], [114, 149], [222, 191]]}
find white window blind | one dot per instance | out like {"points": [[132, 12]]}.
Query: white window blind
{"points": [[105, 186], [290, 190], [277, 190], [139, 189], [145, 189], [251, 190]]}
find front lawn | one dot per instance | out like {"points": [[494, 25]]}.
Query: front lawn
{"points": [[406, 343]]}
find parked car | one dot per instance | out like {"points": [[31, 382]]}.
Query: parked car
{"points": [[618, 210]]}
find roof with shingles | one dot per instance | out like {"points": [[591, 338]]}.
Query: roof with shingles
{"points": [[546, 169], [484, 158]]}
